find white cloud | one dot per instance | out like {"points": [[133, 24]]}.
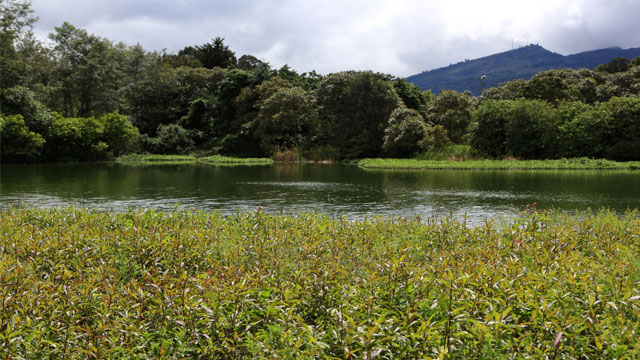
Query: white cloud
{"points": [[400, 37]]}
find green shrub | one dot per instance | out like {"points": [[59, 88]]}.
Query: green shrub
{"points": [[118, 133], [78, 139], [170, 139], [323, 153], [80, 284], [17, 142]]}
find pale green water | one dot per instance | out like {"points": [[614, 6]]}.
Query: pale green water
{"points": [[335, 189]]}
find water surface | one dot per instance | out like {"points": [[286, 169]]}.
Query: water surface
{"points": [[339, 190]]}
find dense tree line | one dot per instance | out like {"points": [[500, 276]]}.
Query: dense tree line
{"points": [[84, 97]]}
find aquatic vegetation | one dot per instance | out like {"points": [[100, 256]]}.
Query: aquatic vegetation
{"points": [[560, 164], [154, 158], [84, 284], [222, 160], [136, 159]]}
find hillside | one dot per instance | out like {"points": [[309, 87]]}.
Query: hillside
{"points": [[521, 63]]}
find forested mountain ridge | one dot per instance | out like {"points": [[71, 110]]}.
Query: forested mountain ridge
{"points": [[521, 63]]}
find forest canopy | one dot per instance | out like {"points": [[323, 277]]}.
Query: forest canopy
{"points": [[82, 97]]}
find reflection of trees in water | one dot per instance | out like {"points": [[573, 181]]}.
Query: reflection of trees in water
{"points": [[330, 188]]}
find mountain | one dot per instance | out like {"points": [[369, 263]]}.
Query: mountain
{"points": [[521, 63]]}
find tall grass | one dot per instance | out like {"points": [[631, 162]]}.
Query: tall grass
{"points": [[77, 284], [451, 152]]}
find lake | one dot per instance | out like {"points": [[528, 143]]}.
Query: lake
{"points": [[340, 190]]}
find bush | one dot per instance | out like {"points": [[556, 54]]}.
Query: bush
{"points": [[17, 142], [323, 154], [118, 133], [171, 139], [76, 139]]}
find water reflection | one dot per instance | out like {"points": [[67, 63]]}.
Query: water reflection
{"points": [[336, 189]]}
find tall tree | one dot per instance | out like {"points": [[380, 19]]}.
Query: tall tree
{"points": [[215, 54], [16, 20], [90, 69], [452, 110], [353, 111]]}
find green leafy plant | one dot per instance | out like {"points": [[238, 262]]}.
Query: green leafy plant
{"points": [[146, 284]]}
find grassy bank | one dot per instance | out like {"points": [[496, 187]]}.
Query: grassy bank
{"points": [[82, 284], [226, 160], [168, 159], [153, 158], [561, 164]]}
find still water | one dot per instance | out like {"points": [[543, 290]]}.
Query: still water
{"points": [[339, 190]]}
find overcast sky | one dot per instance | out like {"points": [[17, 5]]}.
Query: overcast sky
{"points": [[399, 37]]}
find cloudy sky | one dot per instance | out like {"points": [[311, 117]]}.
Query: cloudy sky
{"points": [[400, 37]]}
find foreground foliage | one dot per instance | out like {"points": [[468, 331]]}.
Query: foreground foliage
{"points": [[561, 164], [83, 284]]}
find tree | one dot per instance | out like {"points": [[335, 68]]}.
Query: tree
{"points": [[353, 112], [584, 134], [452, 110], [405, 135], [616, 65], [19, 100], [489, 127], [248, 62], [412, 96], [552, 86], [622, 118], [90, 70], [531, 130], [156, 98], [16, 21], [215, 54], [224, 101], [509, 90], [284, 119]]}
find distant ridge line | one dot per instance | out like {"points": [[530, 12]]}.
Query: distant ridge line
{"points": [[519, 63]]}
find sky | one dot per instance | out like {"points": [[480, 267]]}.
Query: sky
{"points": [[398, 37]]}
